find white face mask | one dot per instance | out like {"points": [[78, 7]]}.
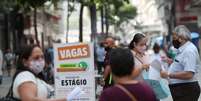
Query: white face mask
{"points": [[141, 49], [37, 66]]}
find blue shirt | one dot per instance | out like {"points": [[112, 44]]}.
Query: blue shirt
{"points": [[187, 59], [100, 51]]}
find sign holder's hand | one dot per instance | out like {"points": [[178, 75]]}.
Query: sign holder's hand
{"points": [[77, 91]]}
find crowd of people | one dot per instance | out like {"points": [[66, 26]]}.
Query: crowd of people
{"points": [[123, 70]]}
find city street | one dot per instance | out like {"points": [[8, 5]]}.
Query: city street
{"points": [[4, 87], [7, 82], [63, 43]]}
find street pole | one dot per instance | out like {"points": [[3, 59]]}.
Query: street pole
{"points": [[171, 21]]}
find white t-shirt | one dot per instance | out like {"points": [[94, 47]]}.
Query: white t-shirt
{"points": [[44, 90]]}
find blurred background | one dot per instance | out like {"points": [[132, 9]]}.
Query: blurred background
{"points": [[45, 22]]}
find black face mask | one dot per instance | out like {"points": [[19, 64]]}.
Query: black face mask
{"points": [[156, 51], [107, 48], [176, 44]]}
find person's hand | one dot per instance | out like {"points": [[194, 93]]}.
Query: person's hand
{"points": [[164, 74], [167, 60], [145, 66], [77, 91]]}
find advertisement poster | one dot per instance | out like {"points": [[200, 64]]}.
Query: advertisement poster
{"points": [[74, 67]]}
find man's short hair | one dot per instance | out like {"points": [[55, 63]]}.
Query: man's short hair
{"points": [[121, 62]]}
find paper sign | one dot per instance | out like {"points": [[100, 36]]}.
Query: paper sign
{"points": [[74, 67]]}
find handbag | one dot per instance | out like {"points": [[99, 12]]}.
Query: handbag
{"points": [[126, 91]]}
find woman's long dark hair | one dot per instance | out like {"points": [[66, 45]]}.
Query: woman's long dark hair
{"points": [[137, 38], [24, 54]]}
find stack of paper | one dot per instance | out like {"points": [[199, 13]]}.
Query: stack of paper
{"points": [[154, 80]]}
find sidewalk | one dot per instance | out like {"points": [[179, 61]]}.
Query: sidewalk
{"points": [[6, 83]]}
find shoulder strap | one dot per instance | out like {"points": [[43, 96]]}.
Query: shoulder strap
{"points": [[10, 92], [134, 55], [126, 91], [138, 59]]}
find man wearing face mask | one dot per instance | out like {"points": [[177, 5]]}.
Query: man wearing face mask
{"points": [[109, 45], [182, 72]]}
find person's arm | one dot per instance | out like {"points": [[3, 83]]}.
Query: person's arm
{"points": [[28, 92], [189, 63], [183, 75], [138, 70], [106, 71], [167, 60]]}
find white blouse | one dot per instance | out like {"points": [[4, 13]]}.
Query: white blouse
{"points": [[44, 90]]}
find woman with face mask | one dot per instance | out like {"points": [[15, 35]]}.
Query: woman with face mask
{"points": [[138, 48], [27, 82]]}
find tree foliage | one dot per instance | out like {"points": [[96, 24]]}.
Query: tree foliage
{"points": [[121, 11]]}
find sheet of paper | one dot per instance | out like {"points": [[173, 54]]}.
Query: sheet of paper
{"points": [[77, 91], [154, 70], [156, 64], [154, 74]]}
